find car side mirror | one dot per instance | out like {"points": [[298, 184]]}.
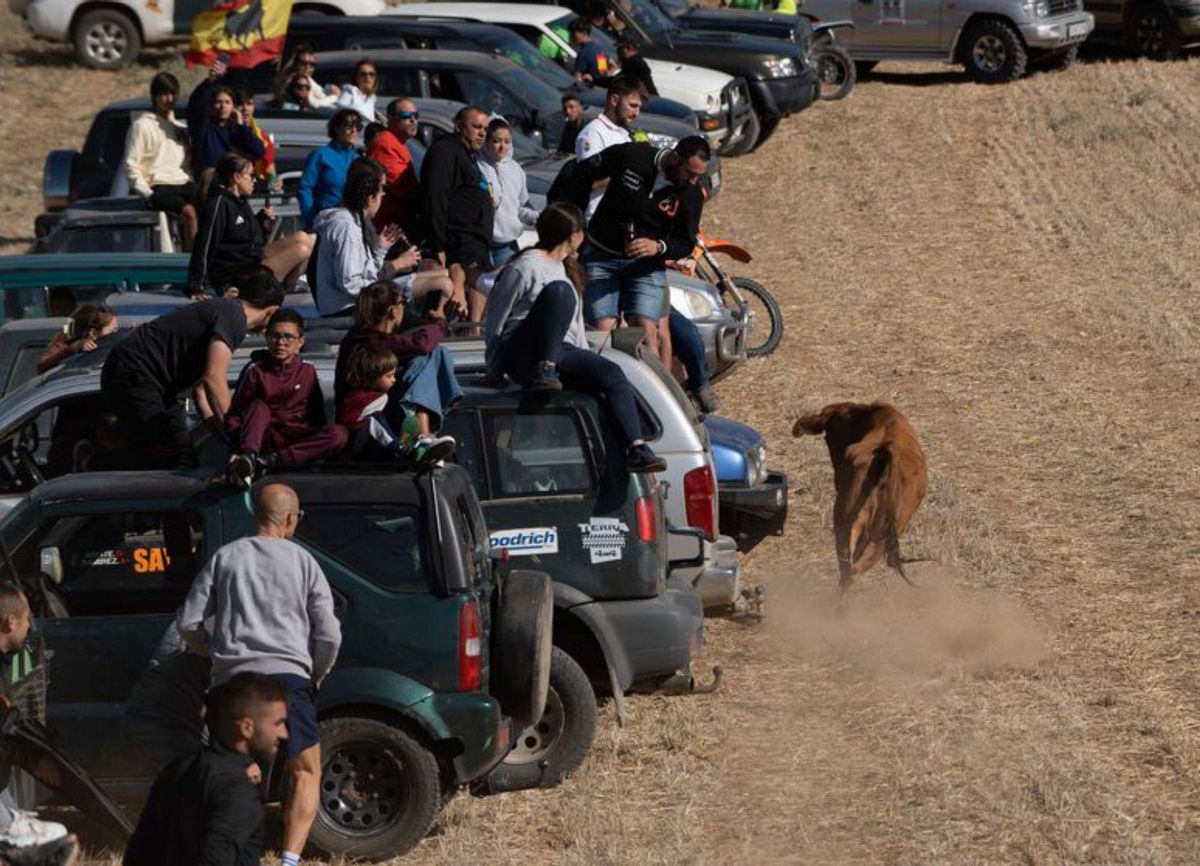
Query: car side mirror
{"points": [[50, 564]]}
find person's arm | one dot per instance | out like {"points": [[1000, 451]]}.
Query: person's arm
{"points": [[231, 824], [216, 378], [197, 111], [682, 240], [136, 145], [387, 156], [247, 390], [325, 632], [420, 340], [60, 347], [243, 138], [308, 182], [499, 305], [435, 194], [212, 229], [527, 212], [196, 608]]}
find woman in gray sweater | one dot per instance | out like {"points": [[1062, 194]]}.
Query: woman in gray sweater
{"points": [[533, 328]]}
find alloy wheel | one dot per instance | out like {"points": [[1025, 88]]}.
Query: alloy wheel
{"points": [[989, 54], [107, 42]]}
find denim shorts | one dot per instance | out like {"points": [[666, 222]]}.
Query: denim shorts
{"points": [[635, 287]]}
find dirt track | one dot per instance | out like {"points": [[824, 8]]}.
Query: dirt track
{"points": [[1016, 268]]}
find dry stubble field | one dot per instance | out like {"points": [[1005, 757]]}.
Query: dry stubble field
{"points": [[1016, 267]]}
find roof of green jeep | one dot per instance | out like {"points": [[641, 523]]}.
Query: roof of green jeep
{"points": [[123, 485], [100, 267]]}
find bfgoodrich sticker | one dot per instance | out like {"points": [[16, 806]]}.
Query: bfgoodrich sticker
{"points": [[525, 542], [604, 538]]}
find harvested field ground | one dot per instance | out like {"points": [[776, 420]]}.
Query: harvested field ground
{"points": [[1017, 269]]}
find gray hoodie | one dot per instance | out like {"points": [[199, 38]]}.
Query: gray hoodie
{"points": [[510, 299], [510, 197], [349, 258]]}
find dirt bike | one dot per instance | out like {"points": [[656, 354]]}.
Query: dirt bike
{"points": [[835, 70], [748, 300]]}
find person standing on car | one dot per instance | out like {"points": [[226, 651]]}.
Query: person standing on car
{"points": [[190, 347], [457, 207], [325, 168], [633, 65], [621, 108], [592, 66], [216, 125], [360, 95], [534, 330], [157, 161], [509, 189], [262, 605], [204, 808], [652, 216], [402, 189]]}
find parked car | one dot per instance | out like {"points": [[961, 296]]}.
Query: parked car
{"points": [[110, 35], [753, 498], [1158, 30], [438, 657], [720, 104], [996, 40], [768, 25]]}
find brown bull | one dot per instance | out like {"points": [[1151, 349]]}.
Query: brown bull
{"points": [[880, 475]]}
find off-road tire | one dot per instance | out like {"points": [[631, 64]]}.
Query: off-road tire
{"points": [[561, 738], [106, 39], [766, 129], [768, 323], [1061, 59], [994, 52], [371, 754], [748, 139], [836, 74], [522, 640], [1152, 33]]}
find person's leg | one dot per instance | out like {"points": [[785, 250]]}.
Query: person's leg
{"points": [[287, 257], [248, 429], [303, 754], [643, 289], [666, 349], [584, 370], [428, 382], [529, 354], [688, 346], [191, 224], [458, 285], [298, 445], [427, 283], [601, 299]]}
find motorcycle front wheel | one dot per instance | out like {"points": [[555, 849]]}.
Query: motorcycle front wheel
{"points": [[766, 319], [836, 73]]}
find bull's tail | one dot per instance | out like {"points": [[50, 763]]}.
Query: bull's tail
{"points": [[891, 540]]}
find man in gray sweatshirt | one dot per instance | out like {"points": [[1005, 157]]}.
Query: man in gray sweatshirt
{"points": [[263, 605]]}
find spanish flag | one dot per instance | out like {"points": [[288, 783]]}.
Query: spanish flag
{"points": [[248, 31]]}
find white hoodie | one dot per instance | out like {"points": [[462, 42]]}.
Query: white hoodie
{"points": [[510, 197]]}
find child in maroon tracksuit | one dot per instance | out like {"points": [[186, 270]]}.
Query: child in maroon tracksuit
{"points": [[277, 417]]}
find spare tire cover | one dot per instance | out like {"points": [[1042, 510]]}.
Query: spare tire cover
{"points": [[523, 634]]}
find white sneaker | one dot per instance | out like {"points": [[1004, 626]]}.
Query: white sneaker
{"points": [[26, 830]]}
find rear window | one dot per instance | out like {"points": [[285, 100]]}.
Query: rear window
{"points": [[382, 544], [536, 454]]}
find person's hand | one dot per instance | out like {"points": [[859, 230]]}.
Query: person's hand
{"points": [[268, 212], [407, 260], [217, 69], [390, 234], [254, 774], [448, 311], [196, 293], [641, 248], [277, 184], [237, 117], [333, 90], [441, 258], [684, 266], [87, 344]]}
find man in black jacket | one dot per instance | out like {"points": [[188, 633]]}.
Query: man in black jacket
{"points": [[204, 810], [650, 214], [633, 65], [458, 207]]}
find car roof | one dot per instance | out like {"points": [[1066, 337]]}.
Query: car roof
{"points": [[418, 57], [106, 485], [516, 13], [66, 262]]}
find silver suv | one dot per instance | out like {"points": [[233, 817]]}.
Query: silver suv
{"points": [[996, 40]]}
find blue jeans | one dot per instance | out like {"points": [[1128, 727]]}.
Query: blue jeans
{"points": [[635, 287], [501, 253], [428, 382], [539, 338], [688, 346]]}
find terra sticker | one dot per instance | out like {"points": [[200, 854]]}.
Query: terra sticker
{"points": [[604, 538]]}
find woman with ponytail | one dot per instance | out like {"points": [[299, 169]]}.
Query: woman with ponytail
{"points": [[533, 327]]}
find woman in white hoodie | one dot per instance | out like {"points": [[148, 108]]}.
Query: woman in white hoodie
{"points": [[509, 190]]}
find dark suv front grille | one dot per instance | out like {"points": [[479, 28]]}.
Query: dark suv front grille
{"points": [[1058, 7]]}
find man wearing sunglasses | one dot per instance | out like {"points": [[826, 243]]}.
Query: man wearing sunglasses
{"points": [[360, 95], [401, 187]]}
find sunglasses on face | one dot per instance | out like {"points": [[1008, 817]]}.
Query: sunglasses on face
{"points": [[408, 115], [301, 87], [355, 125], [312, 63], [366, 74]]}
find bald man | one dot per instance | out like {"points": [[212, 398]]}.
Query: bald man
{"points": [[401, 188], [263, 605]]}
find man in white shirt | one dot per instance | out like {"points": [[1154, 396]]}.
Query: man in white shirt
{"points": [[157, 159], [624, 104], [361, 94]]}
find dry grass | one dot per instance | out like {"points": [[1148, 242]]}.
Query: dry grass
{"points": [[1015, 267]]}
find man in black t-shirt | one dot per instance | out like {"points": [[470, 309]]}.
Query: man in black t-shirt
{"points": [[188, 348]]}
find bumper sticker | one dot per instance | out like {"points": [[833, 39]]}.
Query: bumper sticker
{"points": [[525, 542], [604, 538]]}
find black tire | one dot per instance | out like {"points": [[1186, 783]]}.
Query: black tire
{"points": [[562, 736], [835, 72], [994, 52], [106, 39], [1061, 59], [380, 790], [766, 319], [747, 141], [864, 67], [523, 635], [766, 129], [1152, 33]]}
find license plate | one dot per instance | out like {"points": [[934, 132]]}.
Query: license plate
{"points": [[1077, 30], [716, 181]]}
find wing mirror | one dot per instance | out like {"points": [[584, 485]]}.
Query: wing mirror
{"points": [[50, 564]]}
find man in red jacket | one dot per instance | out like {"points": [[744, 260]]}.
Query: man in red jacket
{"points": [[277, 417], [402, 188]]}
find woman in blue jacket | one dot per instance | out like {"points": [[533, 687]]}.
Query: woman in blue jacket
{"points": [[217, 127], [326, 167]]}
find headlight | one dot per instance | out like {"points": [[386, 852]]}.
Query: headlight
{"points": [[713, 102], [661, 139], [784, 67], [700, 304], [1037, 8], [756, 465]]}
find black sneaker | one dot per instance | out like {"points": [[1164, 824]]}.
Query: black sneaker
{"points": [[433, 449], [546, 379], [707, 399], [640, 458], [241, 470]]}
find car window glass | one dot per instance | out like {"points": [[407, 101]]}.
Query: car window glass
{"points": [[510, 45], [461, 425], [24, 366], [444, 84], [536, 453], [382, 544], [119, 564], [393, 81], [102, 239]]}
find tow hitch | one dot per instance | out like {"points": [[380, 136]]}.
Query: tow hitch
{"points": [[749, 608], [685, 684]]}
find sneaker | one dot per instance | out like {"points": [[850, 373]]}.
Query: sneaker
{"points": [[241, 470], [434, 449], [707, 399], [546, 379], [60, 852], [640, 458], [26, 830]]}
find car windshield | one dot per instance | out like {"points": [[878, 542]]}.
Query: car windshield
{"points": [[648, 17], [562, 27], [536, 92], [525, 149], [510, 45]]}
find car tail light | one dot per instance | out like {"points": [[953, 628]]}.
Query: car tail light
{"points": [[699, 491], [647, 519], [470, 648]]}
